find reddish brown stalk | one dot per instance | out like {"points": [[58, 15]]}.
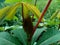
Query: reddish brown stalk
{"points": [[27, 24], [43, 13]]}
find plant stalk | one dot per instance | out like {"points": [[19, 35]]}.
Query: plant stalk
{"points": [[42, 15], [27, 25]]}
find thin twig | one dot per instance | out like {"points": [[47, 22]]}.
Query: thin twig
{"points": [[42, 15]]}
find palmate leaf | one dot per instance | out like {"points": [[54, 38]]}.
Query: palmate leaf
{"points": [[3, 13], [8, 39], [9, 15], [9, 12], [49, 37]]}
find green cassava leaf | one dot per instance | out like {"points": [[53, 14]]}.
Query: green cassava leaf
{"points": [[7, 39], [51, 40], [8, 12], [21, 35], [49, 34], [3, 11], [37, 34], [33, 9], [5, 42], [12, 11]]}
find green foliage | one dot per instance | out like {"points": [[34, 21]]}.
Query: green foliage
{"points": [[16, 22], [51, 40], [21, 35], [49, 37], [37, 34], [8, 39]]}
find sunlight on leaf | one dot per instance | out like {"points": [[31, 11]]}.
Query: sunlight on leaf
{"points": [[12, 11], [3, 11]]}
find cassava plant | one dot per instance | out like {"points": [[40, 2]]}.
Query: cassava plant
{"points": [[28, 34]]}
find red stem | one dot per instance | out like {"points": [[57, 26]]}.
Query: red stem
{"points": [[43, 13]]}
